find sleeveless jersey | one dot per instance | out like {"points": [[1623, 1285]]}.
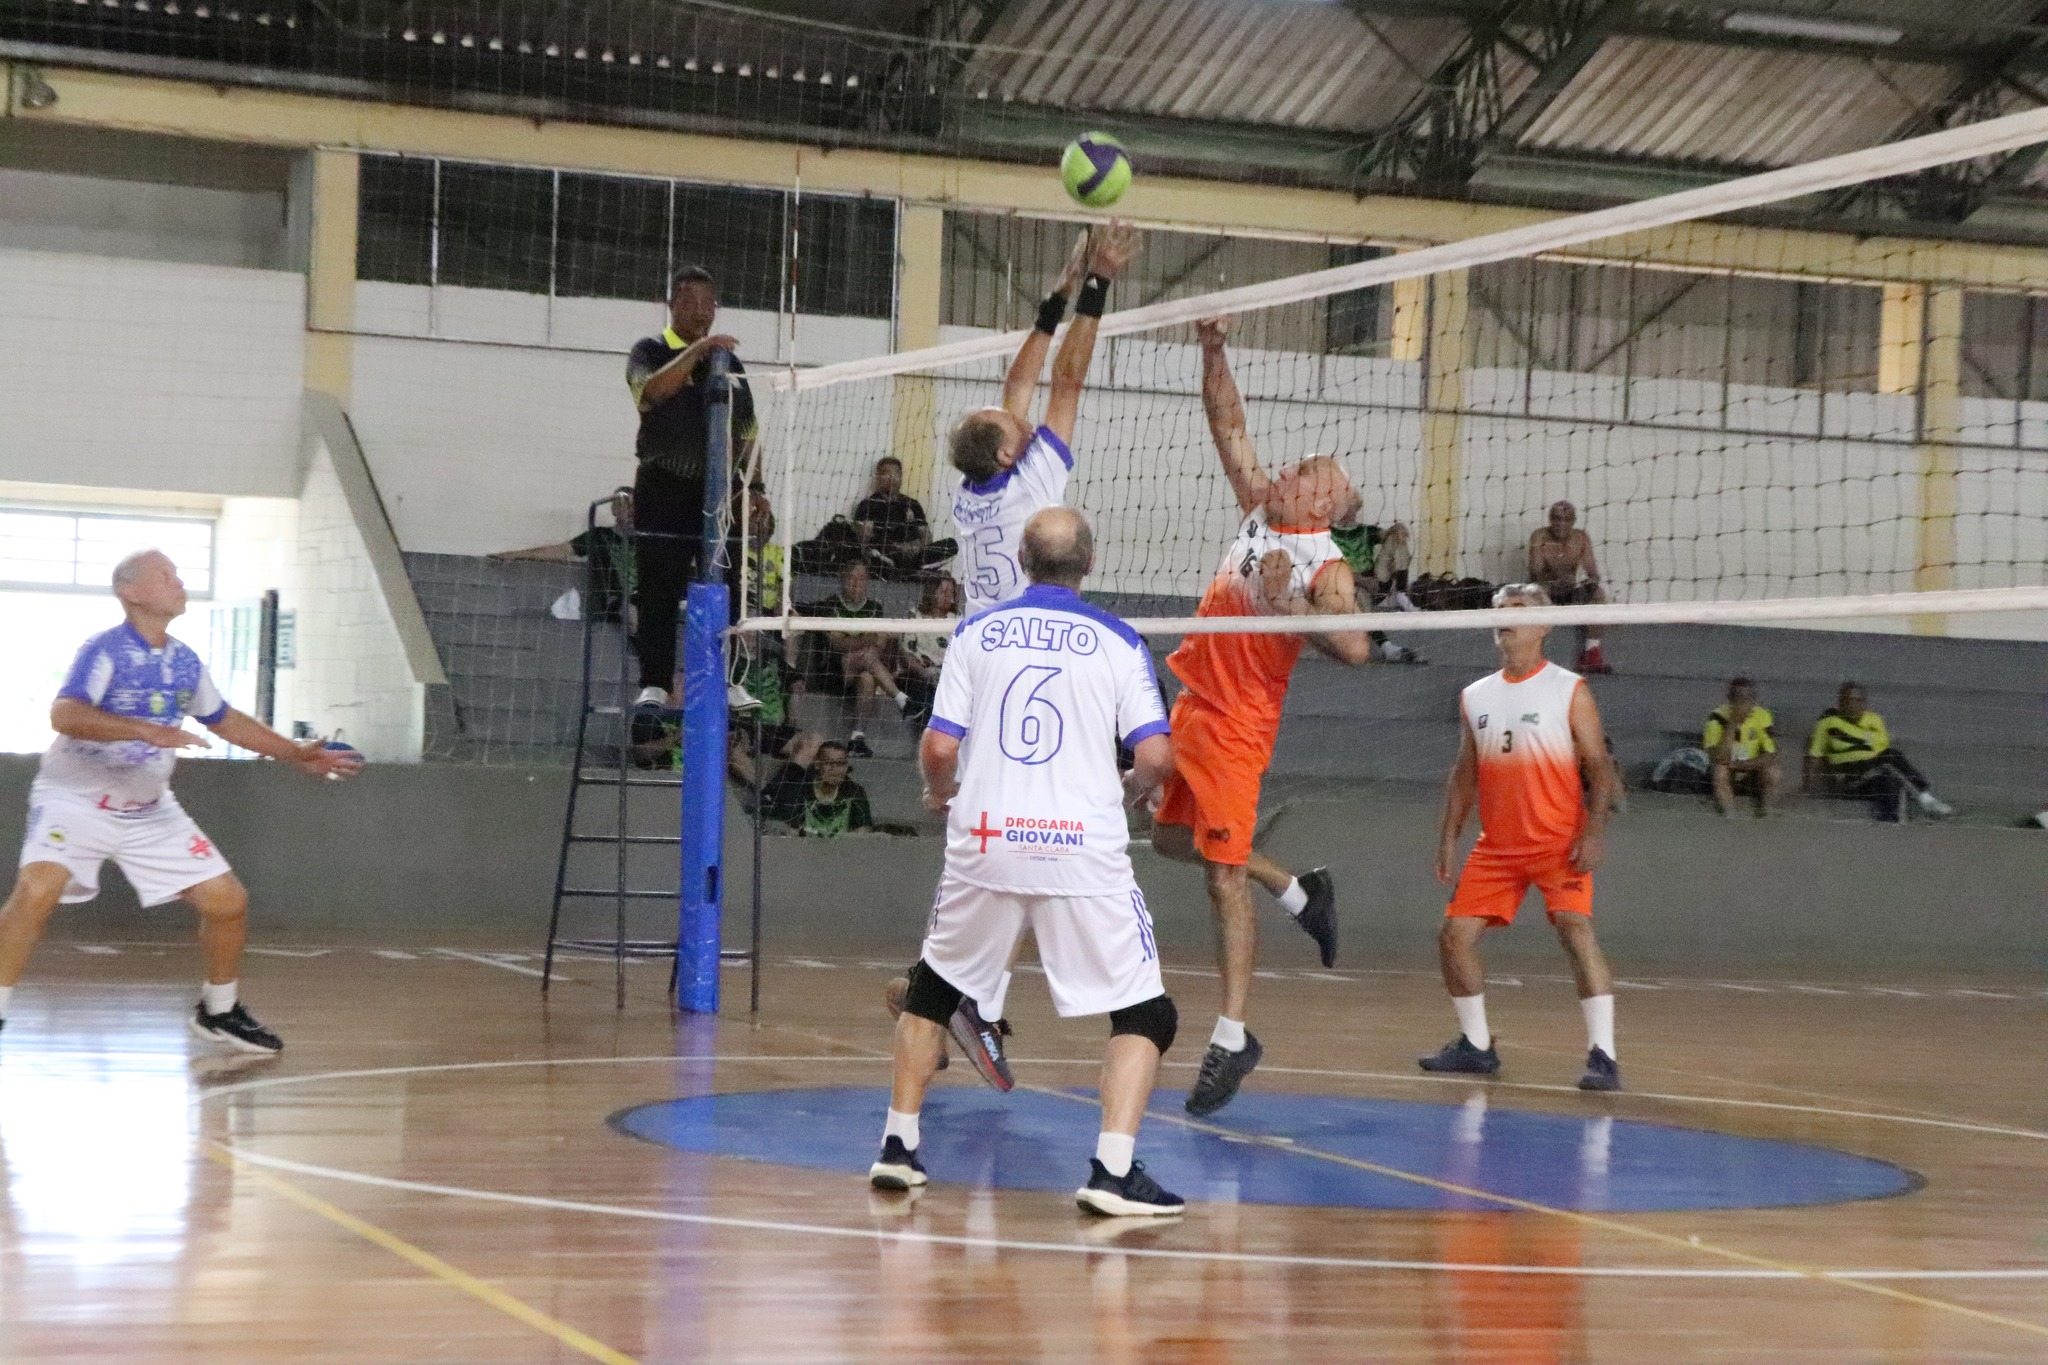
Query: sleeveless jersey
{"points": [[989, 517], [1530, 800], [1245, 676]]}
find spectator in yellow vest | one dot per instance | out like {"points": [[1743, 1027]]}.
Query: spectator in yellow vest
{"points": [[1743, 749], [1851, 754]]}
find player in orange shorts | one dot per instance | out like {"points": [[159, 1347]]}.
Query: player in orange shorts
{"points": [[1529, 733], [1282, 563]]}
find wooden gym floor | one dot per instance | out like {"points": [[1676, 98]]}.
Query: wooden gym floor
{"points": [[429, 1174]]}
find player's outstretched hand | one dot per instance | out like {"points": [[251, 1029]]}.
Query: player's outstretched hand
{"points": [[1210, 332], [1588, 853], [317, 760], [172, 737], [1112, 248]]}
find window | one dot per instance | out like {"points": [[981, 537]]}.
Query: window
{"points": [[47, 551]]}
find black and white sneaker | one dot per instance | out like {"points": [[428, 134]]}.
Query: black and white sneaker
{"points": [[1461, 1057], [857, 746], [1221, 1074], [982, 1041], [1318, 919], [1601, 1072], [897, 1168], [237, 1028], [1134, 1194]]}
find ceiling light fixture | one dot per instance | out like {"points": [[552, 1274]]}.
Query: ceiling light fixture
{"points": [[1820, 30]]}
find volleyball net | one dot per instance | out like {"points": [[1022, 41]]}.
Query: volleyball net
{"points": [[1754, 424]]}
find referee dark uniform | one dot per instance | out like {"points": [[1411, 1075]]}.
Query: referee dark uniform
{"points": [[667, 376]]}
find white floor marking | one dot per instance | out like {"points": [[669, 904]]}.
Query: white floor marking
{"points": [[97, 949], [497, 962]]}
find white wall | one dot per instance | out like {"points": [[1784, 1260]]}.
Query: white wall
{"points": [[144, 374], [45, 211], [493, 419], [352, 673]]}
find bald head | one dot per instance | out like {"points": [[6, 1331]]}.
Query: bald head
{"points": [[134, 567], [1058, 547], [148, 585]]}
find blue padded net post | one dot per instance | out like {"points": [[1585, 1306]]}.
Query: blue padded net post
{"points": [[706, 616]]}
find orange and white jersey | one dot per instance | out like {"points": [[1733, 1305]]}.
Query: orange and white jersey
{"points": [[1245, 676], [1530, 800]]}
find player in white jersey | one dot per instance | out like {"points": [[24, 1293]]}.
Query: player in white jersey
{"points": [[103, 791], [1529, 746], [1010, 469], [1033, 698]]}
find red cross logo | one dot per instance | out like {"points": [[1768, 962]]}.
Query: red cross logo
{"points": [[199, 847], [984, 833]]}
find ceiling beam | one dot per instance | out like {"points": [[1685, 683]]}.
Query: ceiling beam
{"points": [[1559, 72]]}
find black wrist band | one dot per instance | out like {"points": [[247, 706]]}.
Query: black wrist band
{"points": [[1050, 312], [1094, 293]]}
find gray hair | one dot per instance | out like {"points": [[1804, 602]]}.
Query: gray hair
{"points": [[130, 567], [1058, 547], [1521, 595]]}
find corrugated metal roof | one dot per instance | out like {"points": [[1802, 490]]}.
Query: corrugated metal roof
{"points": [[1738, 106], [1278, 62]]}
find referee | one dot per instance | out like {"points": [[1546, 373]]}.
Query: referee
{"points": [[667, 375]]}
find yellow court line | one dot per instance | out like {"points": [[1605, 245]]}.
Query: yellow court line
{"points": [[425, 1260]]}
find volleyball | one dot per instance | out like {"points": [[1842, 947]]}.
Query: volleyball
{"points": [[1095, 170]]}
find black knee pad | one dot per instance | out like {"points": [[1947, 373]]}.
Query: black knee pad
{"points": [[1156, 1019], [931, 996]]}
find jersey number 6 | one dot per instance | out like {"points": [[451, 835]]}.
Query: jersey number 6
{"points": [[1032, 727]]}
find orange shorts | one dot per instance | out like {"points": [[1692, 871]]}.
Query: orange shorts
{"points": [[1214, 790], [1492, 885]]}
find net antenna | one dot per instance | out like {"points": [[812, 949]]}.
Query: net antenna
{"points": [[1667, 494]]}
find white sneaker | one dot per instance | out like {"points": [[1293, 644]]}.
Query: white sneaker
{"points": [[1935, 806], [1402, 602], [651, 696], [737, 698]]}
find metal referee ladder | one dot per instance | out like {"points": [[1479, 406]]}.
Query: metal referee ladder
{"points": [[605, 782]]}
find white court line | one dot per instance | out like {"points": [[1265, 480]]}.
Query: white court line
{"points": [[1092, 1249], [499, 963]]}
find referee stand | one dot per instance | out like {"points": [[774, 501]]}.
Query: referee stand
{"points": [[618, 800]]}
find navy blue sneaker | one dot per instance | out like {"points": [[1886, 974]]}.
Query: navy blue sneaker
{"points": [[1601, 1072], [897, 1168], [1221, 1074], [982, 1041], [1463, 1058], [1134, 1194], [237, 1028], [1318, 919]]}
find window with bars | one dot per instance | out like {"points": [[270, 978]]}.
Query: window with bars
{"points": [[44, 550]]}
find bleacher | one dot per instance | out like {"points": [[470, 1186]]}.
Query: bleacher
{"points": [[1968, 711]]}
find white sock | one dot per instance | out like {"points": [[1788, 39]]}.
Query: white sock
{"points": [[992, 1008], [856, 736], [651, 696], [1472, 1019], [1599, 1012], [1114, 1151], [219, 999], [901, 1126], [1229, 1034], [1592, 642], [6, 994], [1293, 900]]}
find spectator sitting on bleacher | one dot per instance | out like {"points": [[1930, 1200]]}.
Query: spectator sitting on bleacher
{"points": [[921, 654], [819, 798], [1742, 749], [611, 562], [767, 682], [867, 662], [766, 567], [1851, 754], [1379, 572], [1558, 553], [894, 534]]}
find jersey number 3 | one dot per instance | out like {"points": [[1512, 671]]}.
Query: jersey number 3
{"points": [[1032, 727]]}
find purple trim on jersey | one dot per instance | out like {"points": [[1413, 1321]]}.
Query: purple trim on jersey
{"points": [[1053, 597], [993, 483], [1145, 732], [946, 727], [1059, 447]]}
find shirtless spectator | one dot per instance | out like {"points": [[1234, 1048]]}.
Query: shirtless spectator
{"points": [[1559, 553]]}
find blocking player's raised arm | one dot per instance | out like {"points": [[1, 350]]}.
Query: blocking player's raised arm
{"points": [[1020, 385], [1224, 407], [1109, 251]]}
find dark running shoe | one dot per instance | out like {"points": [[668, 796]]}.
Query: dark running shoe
{"points": [[1601, 1072], [1135, 1194], [1318, 919], [894, 995], [1221, 1074], [983, 1044], [1462, 1057], [237, 1028], [857, 746], [897, 1168]]}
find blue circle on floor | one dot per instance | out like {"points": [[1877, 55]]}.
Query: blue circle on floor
{"points": [[1030, 1140]]}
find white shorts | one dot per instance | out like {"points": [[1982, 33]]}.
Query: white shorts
{"points": [[158, 848], [1097, 951]]}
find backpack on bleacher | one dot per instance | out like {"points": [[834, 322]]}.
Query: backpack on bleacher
{"points": [[1686, 770]]}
